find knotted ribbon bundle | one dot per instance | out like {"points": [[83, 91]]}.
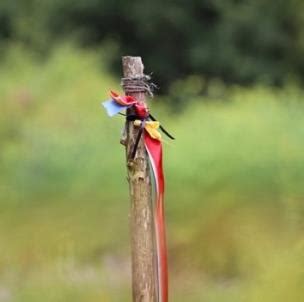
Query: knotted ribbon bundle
{"points": [[153, 144]]}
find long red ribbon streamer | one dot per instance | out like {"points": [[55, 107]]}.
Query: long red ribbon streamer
{"points": [[154, 149]]}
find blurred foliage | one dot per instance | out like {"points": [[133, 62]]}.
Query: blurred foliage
{"points": [[234, 187], [236, 41]]}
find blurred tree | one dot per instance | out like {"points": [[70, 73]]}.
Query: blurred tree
{"points": [[238, 41]]}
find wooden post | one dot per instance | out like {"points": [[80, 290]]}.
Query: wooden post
{"points": [[141, 217]]}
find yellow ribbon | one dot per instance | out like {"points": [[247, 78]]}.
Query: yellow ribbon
{"points": [[151, 127]]}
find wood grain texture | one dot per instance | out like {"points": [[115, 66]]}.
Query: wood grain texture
{"points": [[141, 216]]}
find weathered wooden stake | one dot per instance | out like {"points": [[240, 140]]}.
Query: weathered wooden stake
{"points": [[141, 218]]}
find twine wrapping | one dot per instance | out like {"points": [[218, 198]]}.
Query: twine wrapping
{"points": [[138, 84]]}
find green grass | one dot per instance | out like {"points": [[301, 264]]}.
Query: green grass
{"points": [[234, 188]]}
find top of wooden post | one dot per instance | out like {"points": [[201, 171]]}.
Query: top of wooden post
{"points": [[132, 66]]}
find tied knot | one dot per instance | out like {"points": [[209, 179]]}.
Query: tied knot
{"points": [[138, 84]]}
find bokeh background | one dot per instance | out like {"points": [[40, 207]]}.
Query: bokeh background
{"points": [[230, 74]]}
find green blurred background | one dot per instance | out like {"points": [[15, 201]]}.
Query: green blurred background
{"points": [[230, 74]]}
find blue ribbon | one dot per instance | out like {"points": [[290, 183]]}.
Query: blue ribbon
{"points": [[113, 108]]}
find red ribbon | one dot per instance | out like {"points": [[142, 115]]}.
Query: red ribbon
{"points": [[154, 149]]}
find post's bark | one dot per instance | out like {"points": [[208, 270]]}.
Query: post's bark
{"points": [[141, 218]]}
